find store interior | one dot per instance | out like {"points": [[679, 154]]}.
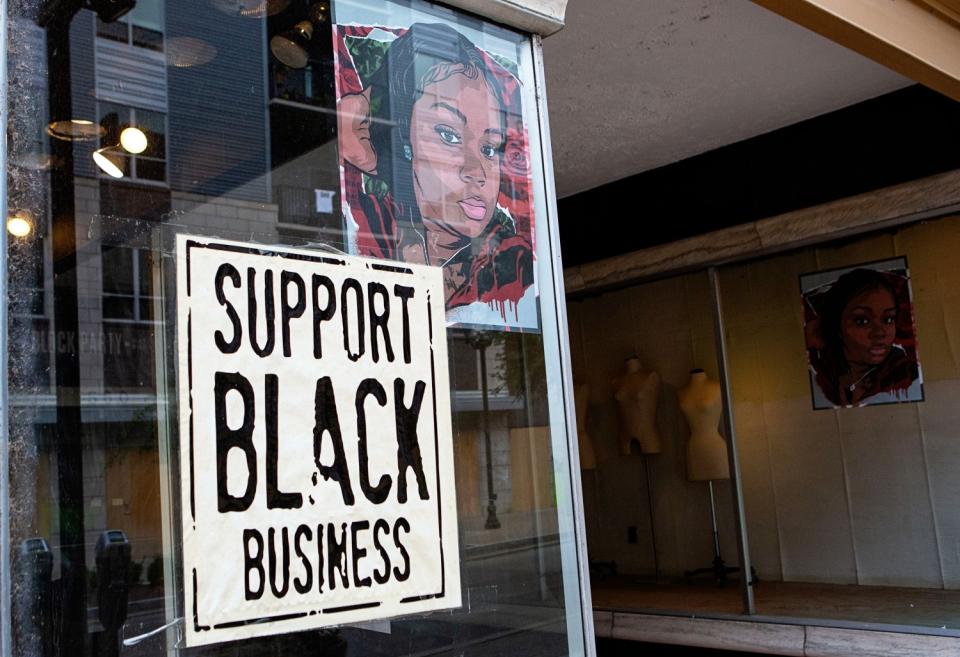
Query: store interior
{"points": [[849, 513]]}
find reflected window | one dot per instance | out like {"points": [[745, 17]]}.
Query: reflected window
{"points": [[128, 326], [142, 27], [149, 166]]}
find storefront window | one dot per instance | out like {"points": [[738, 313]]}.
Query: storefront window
{"points": [[401, 131], [841, 375]]}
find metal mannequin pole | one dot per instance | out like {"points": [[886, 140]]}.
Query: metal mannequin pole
{"points": [[653, 524], [713, 521], [736, 487]]}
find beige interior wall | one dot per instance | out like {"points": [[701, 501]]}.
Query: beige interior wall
{"points": [[866, 495], [669, 325]]}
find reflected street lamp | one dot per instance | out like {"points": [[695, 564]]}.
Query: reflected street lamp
{"points": [[480, 340]]}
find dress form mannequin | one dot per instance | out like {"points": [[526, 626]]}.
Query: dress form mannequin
{"points": [[706, 450], [588, 459], [701, 403], [636, 392]]}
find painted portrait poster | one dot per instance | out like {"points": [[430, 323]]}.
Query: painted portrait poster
{"points": [[861, 336], [434, 155]]}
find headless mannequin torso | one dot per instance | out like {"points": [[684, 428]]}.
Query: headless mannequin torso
{"points": [[636, 392], [701, 403]]}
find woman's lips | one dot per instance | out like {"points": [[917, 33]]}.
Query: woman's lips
{"points": [[474, 208], [879, 351]]}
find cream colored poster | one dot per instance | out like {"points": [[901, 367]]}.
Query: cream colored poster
{"points": [[316, 455]]}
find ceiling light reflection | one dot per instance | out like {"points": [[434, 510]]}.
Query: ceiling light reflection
{"points": [[133, 140], [109, 161]]}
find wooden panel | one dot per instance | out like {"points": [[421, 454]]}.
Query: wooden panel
{"points": [[850, 216], [833, 642], [949, 9], [806, 467], [703, 633], [530, 469], [466, 466], [940, 417], [900, 34], [894, 535]]}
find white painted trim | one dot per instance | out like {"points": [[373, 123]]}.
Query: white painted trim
{"points": [[543, 17]]}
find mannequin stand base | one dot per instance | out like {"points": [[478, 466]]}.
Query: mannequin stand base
{"points": [[719, 570]]}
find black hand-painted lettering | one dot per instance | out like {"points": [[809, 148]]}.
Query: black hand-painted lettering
{"points": [[408, 443], [401, 575], [276, 499], [228, 347], [279, 591], [302, 586], [381, 576], [288, 312], [379, 320], [376, 494], [269, 311], [325, 410], [320, 558], [358, 552], [405, 293], [321, 315], [337, 556], [228, 439], [251, 563], [352, 284]]}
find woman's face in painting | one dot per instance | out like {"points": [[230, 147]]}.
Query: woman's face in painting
{"points": [[868, 326], [456, 133]]}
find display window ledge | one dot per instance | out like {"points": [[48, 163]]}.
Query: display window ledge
{"points": [[775, 635]]}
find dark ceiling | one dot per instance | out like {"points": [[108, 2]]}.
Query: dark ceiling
{"points": [[901, 136]]}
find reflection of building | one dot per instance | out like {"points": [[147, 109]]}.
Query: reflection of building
{"points": [[242, 147], [233, 150]]}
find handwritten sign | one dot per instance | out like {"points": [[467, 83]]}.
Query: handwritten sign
{"points": [[316, 455]]}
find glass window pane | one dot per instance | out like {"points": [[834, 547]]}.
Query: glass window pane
{"points": [[128, 357], [153, 125], [117, 269], [151, 169], [242, 130], [116, 31], [148, 14], [147, 38], [113, 119], [145, 271], [118, 307]]}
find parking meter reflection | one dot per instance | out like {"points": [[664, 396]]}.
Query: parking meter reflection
{"points": [[113, 578]]}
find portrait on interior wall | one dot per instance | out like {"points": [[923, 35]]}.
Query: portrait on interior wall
{"points": [[434, 156], [861, 336]]}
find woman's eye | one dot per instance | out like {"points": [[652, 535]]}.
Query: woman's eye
{"points": [[889, 320], [861, 321], [489, 151], [448, 135]]}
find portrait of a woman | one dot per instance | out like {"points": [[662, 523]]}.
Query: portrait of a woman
{"points": [[423, 144], [860, 339]]}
